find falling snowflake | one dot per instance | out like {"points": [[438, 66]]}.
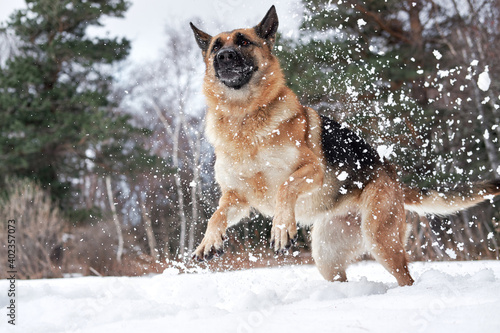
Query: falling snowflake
{"points": [[361, 23], [437, 54], [451, 253], [483, 81], [343, 176]]}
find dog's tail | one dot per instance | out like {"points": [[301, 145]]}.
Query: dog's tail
{"points": [[449, 201]]}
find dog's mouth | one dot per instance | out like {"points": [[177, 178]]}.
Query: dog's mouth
{"points": [[235, 77], [232, 69]]}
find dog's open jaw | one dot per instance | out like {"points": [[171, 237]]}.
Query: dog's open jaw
{"points": [[236, 77]]}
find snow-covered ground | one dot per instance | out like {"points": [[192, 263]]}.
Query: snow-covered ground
{"points": [[447, 297]]}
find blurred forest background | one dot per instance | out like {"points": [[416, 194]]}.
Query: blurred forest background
{"points": [[114, 177]]}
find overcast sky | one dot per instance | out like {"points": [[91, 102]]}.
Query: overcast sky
{"points": [[145, 21]]}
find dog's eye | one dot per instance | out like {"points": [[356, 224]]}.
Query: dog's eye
{"points": [[244, 42], [217, 46]]}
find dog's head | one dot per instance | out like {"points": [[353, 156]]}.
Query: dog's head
{"points": [[233, 58]]}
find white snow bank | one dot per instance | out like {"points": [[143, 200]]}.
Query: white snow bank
{"points": [[447, 297]]}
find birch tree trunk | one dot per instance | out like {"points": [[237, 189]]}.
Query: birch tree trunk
{"points": [[148, 226], [180, 192], [195, 186], [491, 150], [175, 136], [178, 128], [119, 252]]}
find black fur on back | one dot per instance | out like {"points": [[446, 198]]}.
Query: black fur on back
{"points": [[343, 148]]}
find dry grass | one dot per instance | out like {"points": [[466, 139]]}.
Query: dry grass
{"points": [[39, 227]]}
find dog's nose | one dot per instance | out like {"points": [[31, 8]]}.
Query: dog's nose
{"points": [[226, 56]]}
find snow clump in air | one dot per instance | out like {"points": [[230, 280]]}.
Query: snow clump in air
{"points": [[385, 151], [483, 81], [343, 176], [361, 23], [437, 54]]}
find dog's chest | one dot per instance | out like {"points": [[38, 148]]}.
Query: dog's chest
{"points": [[256, 173]]}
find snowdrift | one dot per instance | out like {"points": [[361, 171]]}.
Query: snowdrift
{"points": [[447, 297]]}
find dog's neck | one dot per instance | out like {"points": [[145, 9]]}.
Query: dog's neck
{"points": [[247, 122]]}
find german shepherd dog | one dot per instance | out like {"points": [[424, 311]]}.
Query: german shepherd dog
{"points": [[286, 161]]}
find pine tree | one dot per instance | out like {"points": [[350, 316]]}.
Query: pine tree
{"points": [[55, 111], [374, 64]]}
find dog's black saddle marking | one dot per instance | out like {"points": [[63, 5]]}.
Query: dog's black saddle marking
{"points": [[343, 148]]}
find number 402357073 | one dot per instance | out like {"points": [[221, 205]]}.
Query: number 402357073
{"points": [[11, 244]]}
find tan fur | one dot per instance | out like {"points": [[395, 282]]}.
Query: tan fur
{"points": [[269, 156], [451, 200]]}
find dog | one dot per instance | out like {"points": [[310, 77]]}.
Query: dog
{"points": [[287, 161]]}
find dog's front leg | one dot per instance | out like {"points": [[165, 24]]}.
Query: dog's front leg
{"points": [[232, 208], [308, 178]]}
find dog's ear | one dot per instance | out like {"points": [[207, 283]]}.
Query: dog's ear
{"points": [[267, 28], [202, 38]]}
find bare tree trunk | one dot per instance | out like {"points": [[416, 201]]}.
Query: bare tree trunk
{"points": [[177, 176], [119, 252], [195, 186], [491, 150], [148, 226], [496, 116], [180, 192], [475, 49]]}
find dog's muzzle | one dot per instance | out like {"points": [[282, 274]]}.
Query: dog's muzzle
{"points": [[232, 69]]}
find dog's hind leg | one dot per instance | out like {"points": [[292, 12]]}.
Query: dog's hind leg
{"points": [[384, 226], [336, 242]]}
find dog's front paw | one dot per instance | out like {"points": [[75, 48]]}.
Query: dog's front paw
{"points": [[283, 235], [211, 246]]}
